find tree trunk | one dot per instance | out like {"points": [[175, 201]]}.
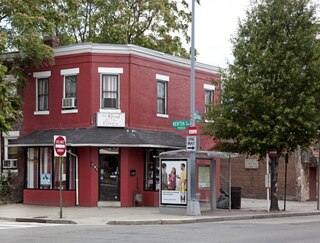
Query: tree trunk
{"points": [[274, 184]]}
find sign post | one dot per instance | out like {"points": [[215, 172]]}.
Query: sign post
{"points": [[60, 150]]}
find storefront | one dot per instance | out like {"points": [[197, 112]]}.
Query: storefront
{"points": [[103, 166]]}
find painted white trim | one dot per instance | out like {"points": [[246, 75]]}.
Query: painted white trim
{"points": [[133, 50], [162, 115], [69, 111], [161, 77], [209, 87], [107, 70], [41, 113], [110, 110], [11, 134], [44, 74], [70, 71]]}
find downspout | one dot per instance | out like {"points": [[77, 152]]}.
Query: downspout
{"points": [[77, 177]]}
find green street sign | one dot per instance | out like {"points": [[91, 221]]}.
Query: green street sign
{"points": [[180, 124]]}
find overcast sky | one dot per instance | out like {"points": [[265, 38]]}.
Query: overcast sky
{"points": [[215, 23]]}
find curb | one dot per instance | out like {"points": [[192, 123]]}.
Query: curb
{"points": [[44, 221], [211, 219]]}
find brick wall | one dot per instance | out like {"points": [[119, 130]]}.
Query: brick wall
{"points": [[252, 181]]}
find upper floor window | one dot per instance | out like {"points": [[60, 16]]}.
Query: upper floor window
{"points": [[11, 85], [162, 95], [69, 100], [110, 92], [208, 97], [110, 88], [42, 92]]}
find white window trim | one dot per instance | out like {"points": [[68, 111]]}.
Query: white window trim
{"points": [[111, 71], [37, 75], [41, 112], [69, 111], [44, 74], [163, 78], [11, 135], [209, 87], [162, 115], [70, 71]]}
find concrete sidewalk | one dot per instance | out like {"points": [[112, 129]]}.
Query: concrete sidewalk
{"points": [[250, 209]]}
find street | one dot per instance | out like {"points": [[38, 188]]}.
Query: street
{"points": [[290, 229]]}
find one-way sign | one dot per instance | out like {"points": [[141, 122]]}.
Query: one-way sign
{"points": [[191, 143]]}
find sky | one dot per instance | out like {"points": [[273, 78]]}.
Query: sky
{"points": [[215, 23]]}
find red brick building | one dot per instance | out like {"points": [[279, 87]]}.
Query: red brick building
{"points": [[115, 104]]}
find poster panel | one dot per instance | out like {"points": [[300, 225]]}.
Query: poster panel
{"points": [[173, 189]]}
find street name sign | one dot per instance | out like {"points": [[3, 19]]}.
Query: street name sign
{"points": [[180, 124]]}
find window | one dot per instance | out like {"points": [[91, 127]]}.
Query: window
{"points": [[208, 97], [42, 92], [110, 88], [11, 85], [110, 92], [10, 153], [162, 95], [43, 170], [69, 101], [152, 170]]}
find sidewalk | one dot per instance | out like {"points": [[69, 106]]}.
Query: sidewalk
{"points": [[250, 209]]}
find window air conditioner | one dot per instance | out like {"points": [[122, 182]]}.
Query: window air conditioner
{"points": [[109, 103], [69, 102], [9, 163]]}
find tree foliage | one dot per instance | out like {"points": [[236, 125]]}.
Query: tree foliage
{"points": [[23, 25], [156, 24], [270, 95]]}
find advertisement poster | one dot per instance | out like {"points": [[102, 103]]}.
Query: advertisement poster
{"points": [[174, 182]]}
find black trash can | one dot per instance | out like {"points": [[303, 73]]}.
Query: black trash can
{"points": [[235, 197]]}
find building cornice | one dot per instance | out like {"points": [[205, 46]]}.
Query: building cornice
{"points": [[132, 50]]}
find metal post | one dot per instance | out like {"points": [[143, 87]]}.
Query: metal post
{"points": [[229, 183], [268, 182], [60, 184], [213, 184], [318, 173], [285, 182], [193, 206]]}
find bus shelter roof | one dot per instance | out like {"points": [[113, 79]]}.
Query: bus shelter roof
{"points": [[200, 154]]}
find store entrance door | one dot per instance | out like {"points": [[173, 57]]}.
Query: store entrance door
{"points": [[109, 177]]}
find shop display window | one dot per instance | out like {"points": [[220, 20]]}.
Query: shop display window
{"points": [[152, 169], [43, 170]]}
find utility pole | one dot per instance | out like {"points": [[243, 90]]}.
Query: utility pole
{"points": [[193, 206]]}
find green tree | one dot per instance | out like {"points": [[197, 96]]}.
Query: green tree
{"points": [[270, 95], [23, 25], [161, 25]]}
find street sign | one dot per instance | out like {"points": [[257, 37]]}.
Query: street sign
{"points": [[180, 124], [193, 131], [60, 146], [191, 143]]}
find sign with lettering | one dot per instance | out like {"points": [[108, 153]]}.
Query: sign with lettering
{"points": [[180, 124], [60, 146], [110, 119], [191, 143]]}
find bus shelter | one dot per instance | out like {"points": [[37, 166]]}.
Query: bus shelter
{"points": [[174, 183]]}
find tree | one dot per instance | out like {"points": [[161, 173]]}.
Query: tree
{"points": [[22, 29], [160, 25], [270, 95]]}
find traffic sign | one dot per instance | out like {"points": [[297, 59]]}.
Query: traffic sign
{"points": [[60, 146], [191, 143], [193, 131], [180, 124]]}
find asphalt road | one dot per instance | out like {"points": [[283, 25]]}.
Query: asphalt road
{"points": [[292, 229]]}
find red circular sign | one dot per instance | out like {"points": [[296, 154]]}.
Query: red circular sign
{"points": [[60, 146]]}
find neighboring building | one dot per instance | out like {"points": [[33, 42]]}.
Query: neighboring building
{"points": [[249, 174], [115, 104]]}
